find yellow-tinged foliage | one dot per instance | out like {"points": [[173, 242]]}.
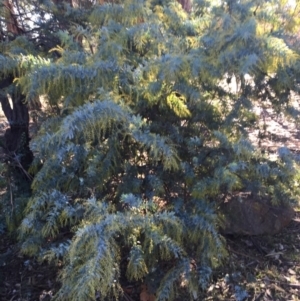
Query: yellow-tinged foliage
{"points": [[278, 55], [178, 105]]}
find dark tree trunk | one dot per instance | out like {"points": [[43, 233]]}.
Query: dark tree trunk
{"points": [[16, 137], [186, 5], [12, 24]]}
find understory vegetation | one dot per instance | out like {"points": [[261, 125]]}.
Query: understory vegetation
{"points": [[149, 107]]}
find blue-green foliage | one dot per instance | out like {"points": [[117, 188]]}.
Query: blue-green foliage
{"points": [[147, 142]]}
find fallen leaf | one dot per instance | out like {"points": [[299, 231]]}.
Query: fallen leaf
{"points": [[278, 288], [291, 272], [280, 247], [274, 254], [248, 242], [268, 293]]}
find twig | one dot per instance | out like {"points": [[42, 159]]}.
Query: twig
{"points": [[16, 159], [126, 297], [245, 255], [11, 196], [257, 246]]}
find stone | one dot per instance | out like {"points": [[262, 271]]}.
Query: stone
{"points": [[244, 215]]}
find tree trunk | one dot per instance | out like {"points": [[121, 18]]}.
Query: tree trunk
{"points": [[186, 5], [16, 137], [12, 24]]}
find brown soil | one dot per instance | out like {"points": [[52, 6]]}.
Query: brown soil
{"points": [[23, 278]]}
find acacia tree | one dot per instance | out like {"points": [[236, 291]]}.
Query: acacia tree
{"points": [[145, 142]]}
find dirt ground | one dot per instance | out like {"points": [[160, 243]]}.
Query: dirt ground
{"points": [[277, 131]]}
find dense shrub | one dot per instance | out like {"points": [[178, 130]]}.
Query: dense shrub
{"points": [[148, 138]]}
